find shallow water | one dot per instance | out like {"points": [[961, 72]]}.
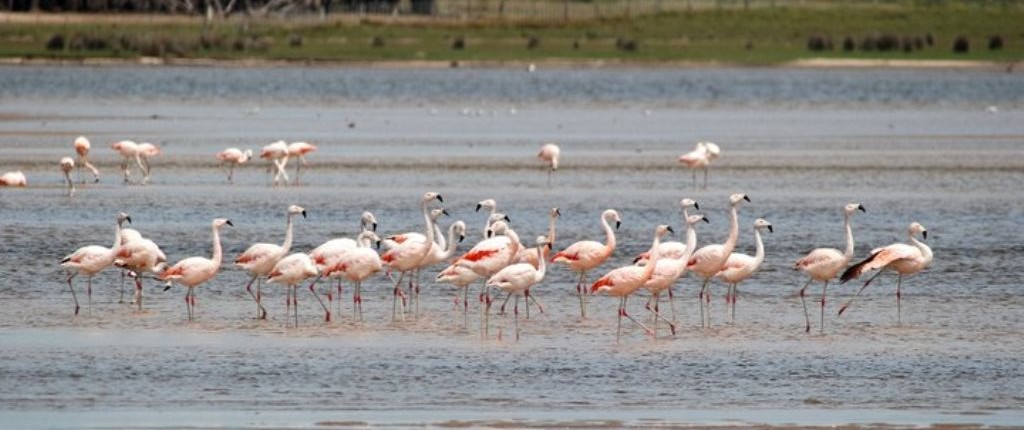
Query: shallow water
{"points": [[908, 145]]}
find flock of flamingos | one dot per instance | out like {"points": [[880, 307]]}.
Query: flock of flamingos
{"points": [[501, 262]]}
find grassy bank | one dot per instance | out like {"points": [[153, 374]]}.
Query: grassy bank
{"points": [[756, 36]]}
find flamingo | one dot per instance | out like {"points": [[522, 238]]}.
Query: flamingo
{"points": [[405, 257], [259, 259], [409, 244], [67, 164], [277, 154], [549, 153], [487, 258], [290, 271], [193, 271], [146, 151], [516, 279], [13, 179], [139, 255], [823, 264], [709, 260], [668, 270], [700, 158], [901, 258], [233, 157], [129, 150], [529, 255], [92, 259], [299, 149], [623, 281], [329, 252], [82, 147], [586, 255], [357, 266], [739, 267], [492, 216], [672, 249], [459, 277]]}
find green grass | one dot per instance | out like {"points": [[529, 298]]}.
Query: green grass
{"points": [[757, 36]]}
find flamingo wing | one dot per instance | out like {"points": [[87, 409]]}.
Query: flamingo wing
{"points": [[881, 258]]}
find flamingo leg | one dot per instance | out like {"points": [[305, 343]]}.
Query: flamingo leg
{"points": [[672, 303], [861, 290], [580, 293], [121, 298], [327, 310], [530, 296], [807, 318], [295, 304], [501, 310], [88, 292], [659, 316], [231, 173], [735, 295], [549, 178], [700, 299], [823, 291], [705, 177], [339, 296], [358, 298], [138, 293], [899, 280], [707, 301], [73, 296], [618, 327], [298, 169], [623, 313], [694, 178], [515, 310], [394, 300], [188, 303], [465, 306]]}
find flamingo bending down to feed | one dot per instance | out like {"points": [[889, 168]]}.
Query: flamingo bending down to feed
{"points": [[516, 279], [357, 265], [290, 271], [823, 264], [193, 271], [585, 255], [700, 158], [740, 266], [82, 147], [486, 259], [139, 256], [146, 151], [901, 258], [406, 255], [13, 179], [277, 154], [623, 281], [668, 270], [233, 157], [67, 164], [259, 260], [128, 150], [331, 251], [300, 149], [549, 153], [90, 260], [709, 260]]}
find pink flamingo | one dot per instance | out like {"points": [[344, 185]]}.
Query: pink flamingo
{"points": [[82, 147], [405, 257], [67, 164], [529, 255], [331, 251], [549, 153], [901, 258], [146, 151], [277, 154], [623, 281], [459, 277], [139, 255], [439, 251], [739, 267], [823, 264], [668, 270], [487, 258], [406, 246], [90, 260], [672, 249], [233, 157], [260, 259], [193, 271], [300, 149], [13, 179], [710, 259], [290, 271], [128, 150], [585, 255], [700, 158], [357, 266], [516, 279]]}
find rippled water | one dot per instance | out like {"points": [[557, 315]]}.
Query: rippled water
{"points": [[909, 145]]}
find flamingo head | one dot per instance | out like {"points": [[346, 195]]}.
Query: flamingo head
{"points": [[367, 237], [459, 228], [220, 222], [486, 204], [555, 213], [296, 210], [916, 227], [762, 223], [437, 213], [688, 203], [711, 149], [543, 242], [612, 215], [696, 218], [663, 230], [368, 221], [427, 197], [738, 198], [122, 217], [852, 208], [499, 227], [493, 218]]}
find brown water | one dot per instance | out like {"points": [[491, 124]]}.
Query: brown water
{"points": [[899, 143]]}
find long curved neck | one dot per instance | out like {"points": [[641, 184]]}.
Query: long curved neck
{"points": [[541, 266], [514, 245], [287, 245], [734, 231], [430, 224], [655, 256], [439, 235], [691, 245], [926, 250], [848, 252], [551, 229], [487, 222], [610, 244], [217, 251], [117, 239], [451, 243], [759, 253]]}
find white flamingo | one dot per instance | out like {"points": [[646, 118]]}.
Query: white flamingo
{"points": [[67, 164], [290, 271], [13, 179], [823, 264], [128, 150], [492, 215], [140, 256], [623, 281], [405, 257], [549, 153], [739, 267], [277, 154], [300, 149], [193, 271], [487, 258], [459, 277], [82, 147], [329, 252], [668, 270], [901, 258], [357, 266], [516, 279], [233, 157], [90, 260], [529, 255], [710, 259], [672, 249], [259, 259], [146, 151], [700, 158], [585, 255]]}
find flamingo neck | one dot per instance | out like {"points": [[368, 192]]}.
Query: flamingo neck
{"points": [[452, 244], [287, 245], [363, 241], [117, 239], [610, 244], [848, 252], [487, 222], [551, 230], [926, 251], [655, 256], [514, 244], [541, 266], [734, 232], [691, 245], [430, 223], [217, 251], [759, 253]]}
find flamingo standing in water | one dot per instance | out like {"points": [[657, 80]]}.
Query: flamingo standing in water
{"points": [[901, 258], [139, 255], [516, 279], [277, 154], [13, 179], [710, 259], [331, 251], [623, 281], [259, 260], [406, 255], [357, 265], [823, 264], [233, 157], [739, 267], [459, 277], [299, 149], [82, 147], [193, 271], [529, 255], [585, 255], [290, 271], [90, 260], [129, 150], [549, 153], [67, 164], [700, 158], [146, 151], [486, 259], [668, 270]]}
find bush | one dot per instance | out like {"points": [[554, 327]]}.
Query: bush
{"points": [[848, 44], [56, 43], [818, 43], [295, 40], [887, 42], [533, 42], [961, 45], [628, 45], [459, 43], [995, 42]]}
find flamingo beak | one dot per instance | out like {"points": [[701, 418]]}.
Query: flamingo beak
{"points": [[770, 230], [746, 198], [478, 207], [490, 233], [440, 199], [374, 226], [445, 212], [378, 244], [557, 212], [462, 237], [129, 219], [618, 224], [696, 206], [507, 219], [924, 235], [706, 220], [669, 228], [861, 208], [228, 222], [548, 245], [304, 214]]}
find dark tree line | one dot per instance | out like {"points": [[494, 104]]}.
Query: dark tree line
{"points": [[216, 7]]}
